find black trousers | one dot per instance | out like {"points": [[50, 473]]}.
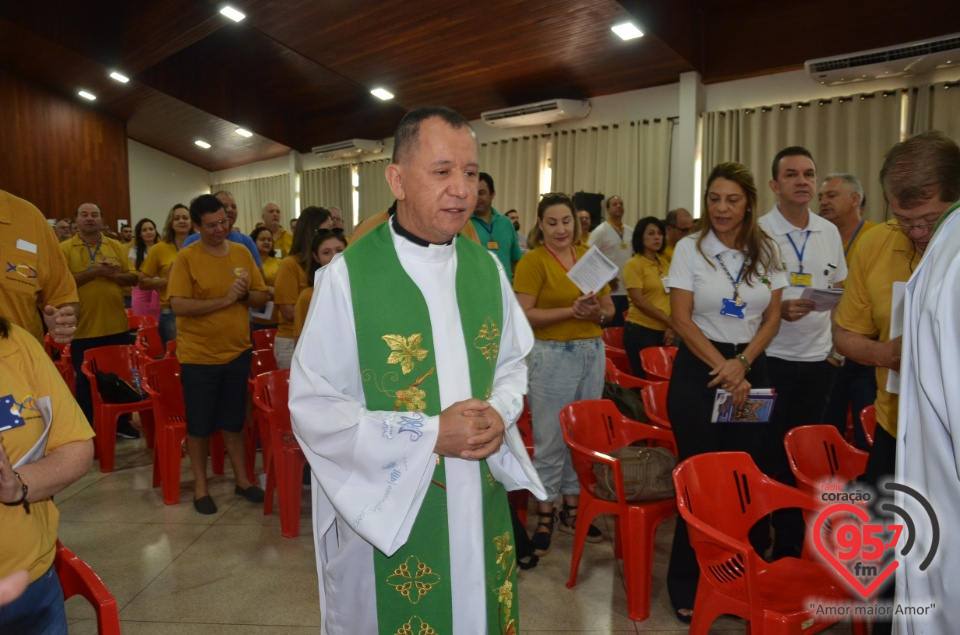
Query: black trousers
{"points": [[854, 386], [882, 465], [689, 406], [635, 339], [620, 304]]}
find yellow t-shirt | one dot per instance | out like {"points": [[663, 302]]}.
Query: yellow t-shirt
{"points": [[283, 243], [157, 265], [882, 258], [35, 273], [642, 273], [300, 310], [221, 336], [540, 275], [102, 311], [668, 252], [850, 247], [270, 267], [290, 282], [26, 375]]}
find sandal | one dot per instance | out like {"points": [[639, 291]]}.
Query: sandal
{"points": [[568, 524], [685, 615], [541, 539]]}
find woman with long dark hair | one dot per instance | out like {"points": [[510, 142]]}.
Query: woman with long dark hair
{"points": [[263, 239], [725, 290], [144, 301]]}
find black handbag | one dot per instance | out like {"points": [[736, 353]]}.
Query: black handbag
{"points": [[113, 389]]}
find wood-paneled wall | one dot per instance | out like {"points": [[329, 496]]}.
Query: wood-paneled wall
{"points": [[57, 153]]}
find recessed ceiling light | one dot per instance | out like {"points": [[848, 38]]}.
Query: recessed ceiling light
{"points": [[627, 31], [244, 133], [382, 93], [87, 95], [202, 144], [232, 13], [120, 77]]}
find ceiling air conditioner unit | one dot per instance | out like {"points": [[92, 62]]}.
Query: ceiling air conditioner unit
{"points": [[894, 61], [348, 148], [538, 114]]}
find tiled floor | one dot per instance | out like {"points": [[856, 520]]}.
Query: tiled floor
{"points": [[174, 571]]}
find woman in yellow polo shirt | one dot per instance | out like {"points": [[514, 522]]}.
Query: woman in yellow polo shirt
{"points": [[648, 321], [30, 385], [156, 268], [567, 361], [263, 238], [291, 279]]}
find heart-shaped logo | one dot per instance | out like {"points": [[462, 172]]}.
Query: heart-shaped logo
{"points": [[879, 575]]}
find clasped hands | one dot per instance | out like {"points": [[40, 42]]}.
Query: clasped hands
{"points": [[61, 323], [239, 286], [587, 307], [471, 429], [731, 376]]}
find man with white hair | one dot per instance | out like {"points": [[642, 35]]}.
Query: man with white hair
{"points": [[282, 239]]}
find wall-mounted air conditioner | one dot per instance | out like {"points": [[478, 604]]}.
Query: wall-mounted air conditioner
{"points": [[894, 61], [538, 114], [348, 148]]}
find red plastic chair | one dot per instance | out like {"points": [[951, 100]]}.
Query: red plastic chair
{"points": [[721, 495], [285, 461], [657, 361], [262, 361], [139, 321], [77, 578], [613, 336], [592, 429], [626, 380], [263, 338], [818, 453], [619, 358], [119, 360], [171, 349], [868, 419], [149, 343], [654, 396], [60, 354]]}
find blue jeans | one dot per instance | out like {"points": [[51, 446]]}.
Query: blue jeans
{"points": [[39, 611], [167, 326], [560, 373]]}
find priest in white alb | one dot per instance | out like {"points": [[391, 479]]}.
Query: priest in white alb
{"points": [[404, 393]]}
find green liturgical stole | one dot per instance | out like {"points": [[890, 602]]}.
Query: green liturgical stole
{"points": [[398, 368]]}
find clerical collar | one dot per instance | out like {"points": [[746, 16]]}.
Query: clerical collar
{"points": [[416, 240]]}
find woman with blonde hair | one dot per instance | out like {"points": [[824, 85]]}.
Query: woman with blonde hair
{"points": [[155, 269], [726, 283], [567, 361]]}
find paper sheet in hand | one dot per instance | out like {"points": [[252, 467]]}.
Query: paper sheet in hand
{"points": [[896, 330], [265, 313], [758, 409], [39, 448], [592, 271], [826, 299]]}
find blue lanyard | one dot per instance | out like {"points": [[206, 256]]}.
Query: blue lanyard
{"points": [[799, 252], [853, 238], [93, 254], [736, 283]]}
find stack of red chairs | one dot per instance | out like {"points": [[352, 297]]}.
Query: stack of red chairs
{"points": [[60, 354], [262, 361], [657, 362]]}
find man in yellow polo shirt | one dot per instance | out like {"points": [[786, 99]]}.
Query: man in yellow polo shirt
{"points": [[282, 239], [212, 284], [101, 270], [35, 274]]}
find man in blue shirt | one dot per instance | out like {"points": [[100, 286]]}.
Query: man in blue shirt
{"points": [[230, 207], [494, 230]]}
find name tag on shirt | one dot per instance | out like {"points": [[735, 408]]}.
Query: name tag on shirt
{"points": [[801, 279], [623, 245], [730, 308], [24, 245], [493, 245]]}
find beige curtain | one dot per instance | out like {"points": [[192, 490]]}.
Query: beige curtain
{"points": [[515, 166], [630, 160], [328, 186], [847, 134], [936, 107], [374, 192], [251, 195]]}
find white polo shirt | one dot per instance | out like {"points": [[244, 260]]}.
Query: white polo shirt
{"points": [[702, 274], [617, 248], [809, 339]]}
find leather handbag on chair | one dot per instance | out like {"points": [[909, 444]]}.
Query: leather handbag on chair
{"points": [[647, 474]]}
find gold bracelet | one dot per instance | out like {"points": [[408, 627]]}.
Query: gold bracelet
{"points": [[743, 360]]}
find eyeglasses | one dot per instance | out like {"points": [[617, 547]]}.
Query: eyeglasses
{"points": [[682, 230], [905, 228], [337, 219], [220, 223]]}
